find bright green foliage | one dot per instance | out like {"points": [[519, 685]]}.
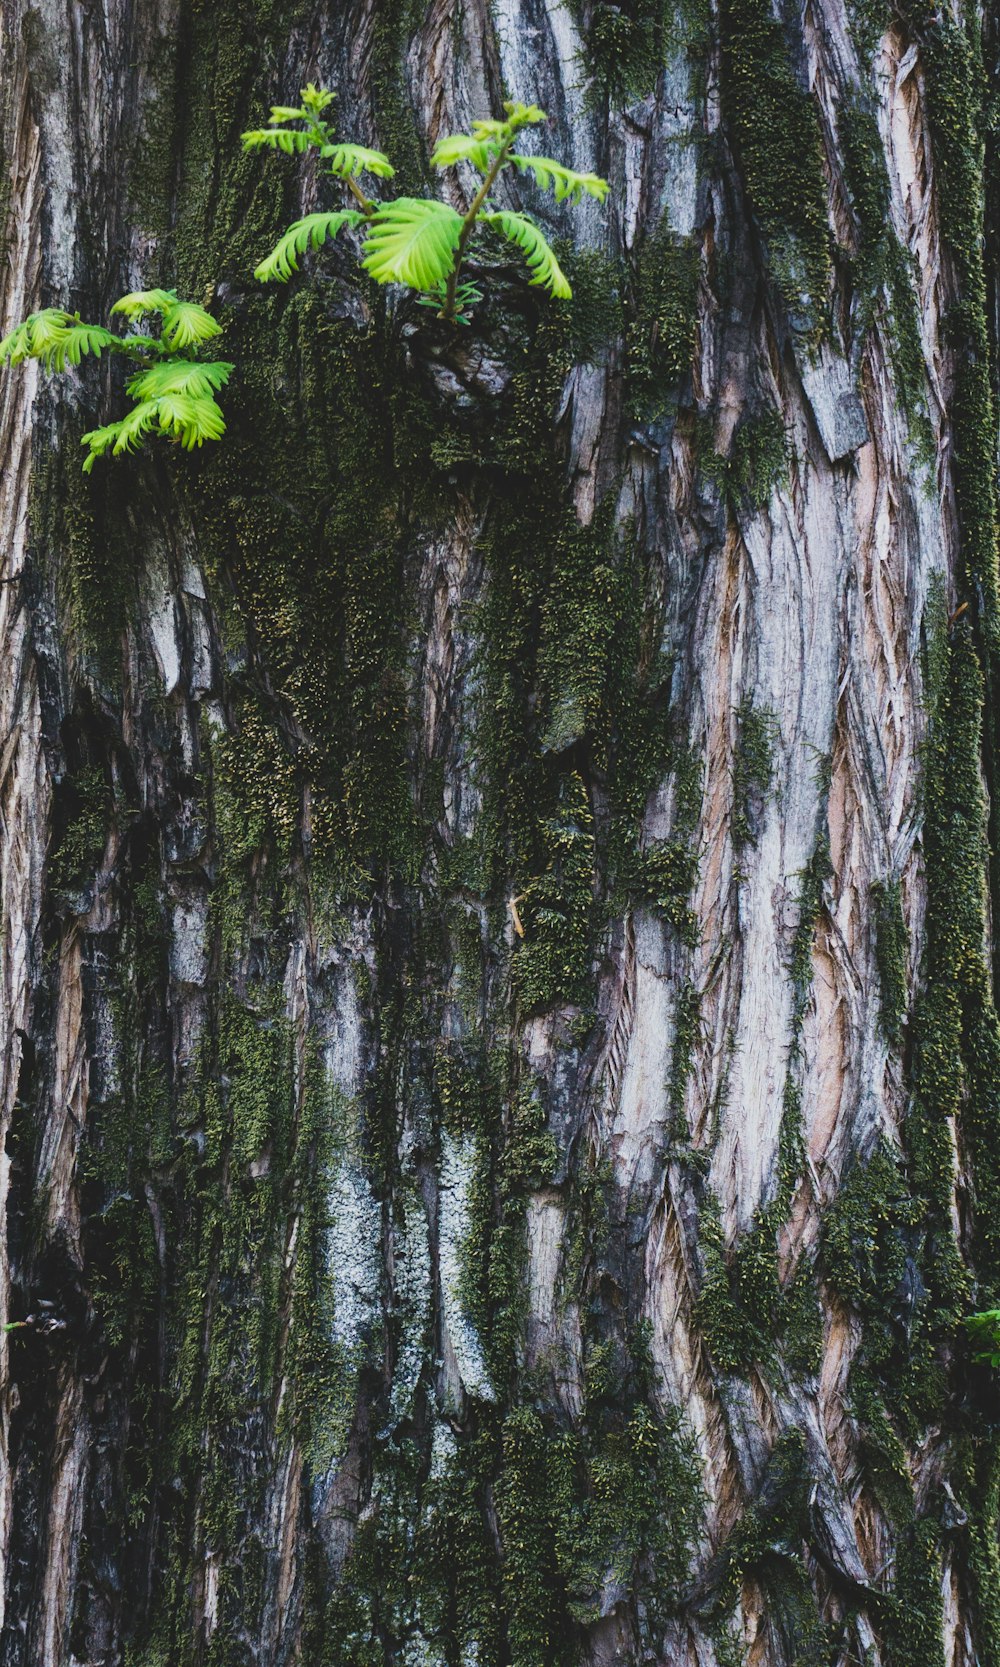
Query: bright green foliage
{"points": [[418, 241], [309, 233], [175, 393], [179, 399], [298, 128], [56, 338], [413, 241], [348, 161], [179, 376], [565, 184], [311, 132], [984, 1331], [489, 149], [544, 267]]}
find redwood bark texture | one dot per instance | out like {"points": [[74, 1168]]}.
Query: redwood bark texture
{"points": [[500, 1077]]}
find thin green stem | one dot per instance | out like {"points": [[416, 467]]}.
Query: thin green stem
{"points": [[321, 135], [365, 203], [468, 224]]}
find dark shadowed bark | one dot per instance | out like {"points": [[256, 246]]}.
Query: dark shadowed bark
{"points": [[500, 1073]]}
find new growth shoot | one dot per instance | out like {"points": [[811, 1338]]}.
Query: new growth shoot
{"points": [[420, 242], [173, 389]]}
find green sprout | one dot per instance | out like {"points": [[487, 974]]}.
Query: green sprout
{"points": [[420, 242], [173, 389]]}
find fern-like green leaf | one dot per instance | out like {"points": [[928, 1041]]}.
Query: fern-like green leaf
{"points": [[40, 336], [542, 263], [100, 440], [565, 183], [191, 421], [132, 430], [287, 113], [185, 324], [523, 115], [518, 116], [180, 376], [76, 343], [16, 347], [289, 140], [316, 99], [464, 147], [146, 301], [412, 241], [47, 334], [348, 161], [312, 232]]}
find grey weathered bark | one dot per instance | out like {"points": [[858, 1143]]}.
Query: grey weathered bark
{"points": [[409, 1277]]}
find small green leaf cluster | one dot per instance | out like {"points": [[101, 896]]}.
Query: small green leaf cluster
{"points": [[54, 337], [420, 242], [296, 129], [984, 1333], [173, 390]]}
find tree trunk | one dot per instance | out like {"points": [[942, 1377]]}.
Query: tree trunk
{"points": [[501, 1080]]}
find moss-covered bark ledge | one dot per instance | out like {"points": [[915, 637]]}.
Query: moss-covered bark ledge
{"points": [[498, 862]]}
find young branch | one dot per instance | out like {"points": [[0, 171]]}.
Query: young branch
{"points": [[447, 311]]}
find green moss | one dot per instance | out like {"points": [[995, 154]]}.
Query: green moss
{"points": [[225, 199], [956, 1034], [756, 464], [392, 27], [662, 329], [661, 878], [891, 958], [800, 1321], [537, 1487], [884, 269], [915, 1618], [553, 962], [767, 1546], [565, 615], [744, 1311], [879, 1255], [978, 1491], [457, 1573], [876, 1253], [617, 1500], [776, 135], [753, 770], [687, 1013], [85, 551], [625, 48], [956, 97], [869, 20], [87, 801]]}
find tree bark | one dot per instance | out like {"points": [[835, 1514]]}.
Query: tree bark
{"points": [[501, 1079]]}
